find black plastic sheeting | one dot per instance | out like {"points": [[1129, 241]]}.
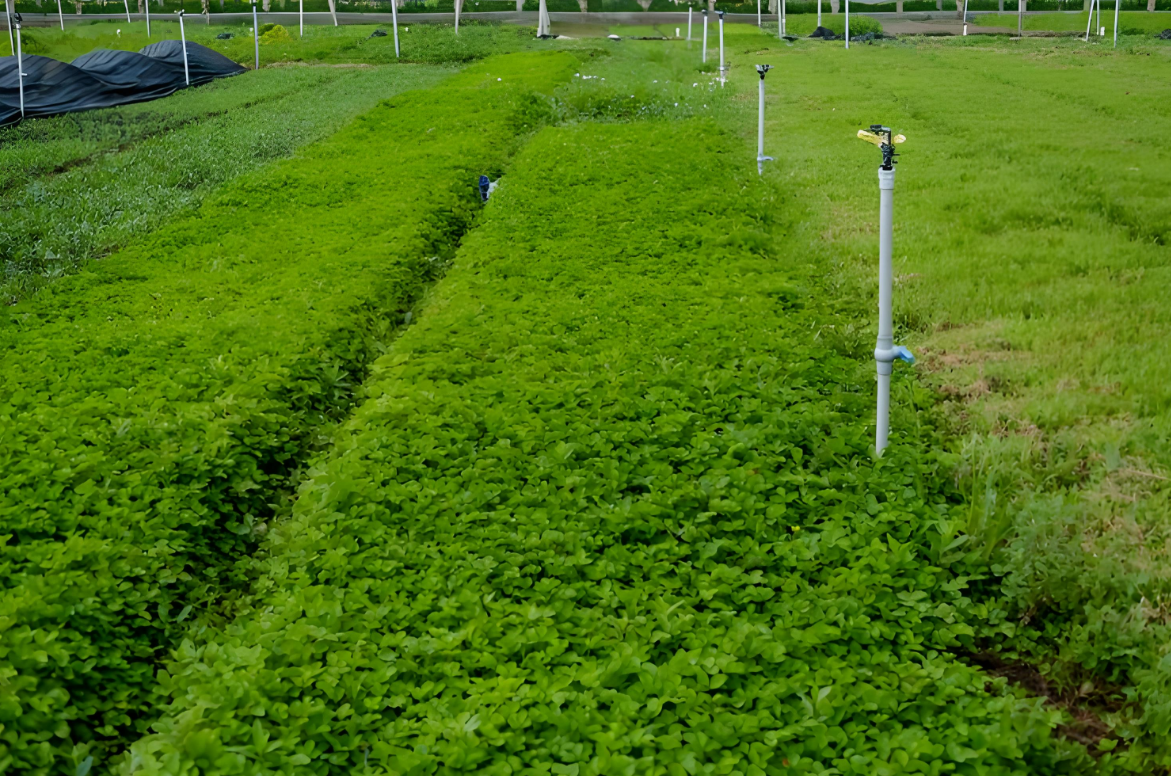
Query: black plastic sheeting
{"points": [[104, 78]]}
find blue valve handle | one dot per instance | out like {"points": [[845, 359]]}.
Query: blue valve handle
{"points": [[902, 354]]}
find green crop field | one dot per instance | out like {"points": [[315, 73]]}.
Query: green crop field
{"points": [[311, 462]]}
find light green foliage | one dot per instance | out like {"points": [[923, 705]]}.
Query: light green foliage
{"points": [[81, 185], [1129, 22], [1030, 263], [158, 404]]}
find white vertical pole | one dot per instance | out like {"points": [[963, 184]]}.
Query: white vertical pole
{"points": [[1099, 6], [1020, 18], [1116, 4], [784, 19], [61, 16], [183, 40], [847, 23], [965, 18], [818, 13], [1089, 21], [688, 24], [721, 13], [458, 5], [758, 24], [127, 4], [704, 12], [301, 15], [8, 23], [884, 350], [145, 5], [19, 63], [256, 36], [394, 22]]}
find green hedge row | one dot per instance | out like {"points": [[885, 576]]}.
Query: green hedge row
{"points": [[158, 406], [610, 509]]}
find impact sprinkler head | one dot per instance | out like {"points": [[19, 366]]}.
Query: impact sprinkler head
{"points": [[762, 69], [886, 140], [704, 12], [721, 13]]}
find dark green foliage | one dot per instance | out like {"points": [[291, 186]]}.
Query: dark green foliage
{"points": [[157, 404], [609, 509]]}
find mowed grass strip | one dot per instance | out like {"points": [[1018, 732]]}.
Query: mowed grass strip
{"points": [[157, 404], [609, 508]]}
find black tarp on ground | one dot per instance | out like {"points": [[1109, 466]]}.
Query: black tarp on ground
{"points": [[103, 78]]}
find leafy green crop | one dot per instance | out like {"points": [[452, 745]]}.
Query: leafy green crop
{"points": [[609, 508], [85, 184], [158, 404]]}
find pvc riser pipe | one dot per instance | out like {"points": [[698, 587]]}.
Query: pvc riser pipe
{"points": [[301, 15], [61, 18], [721, 51], [704, 38], [688, 24], [127, 4], [394, 22], [847, 23], [884, 347], [1116, 4], [19, 67], [256, 37], [760, 124], [147, 7], [183, 42]]}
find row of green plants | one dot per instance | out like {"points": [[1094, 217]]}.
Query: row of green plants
{"points": [[160, 404], [609, 507], [78, 186]]}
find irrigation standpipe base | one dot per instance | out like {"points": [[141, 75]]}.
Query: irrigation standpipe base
{"points": [[256, 36], [885, 351], [760, 157]]}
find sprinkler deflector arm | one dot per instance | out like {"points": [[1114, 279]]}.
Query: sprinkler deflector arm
{"points": [[885, 351]]}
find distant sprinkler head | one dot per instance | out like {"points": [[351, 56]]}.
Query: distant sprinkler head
{"points": [[721, 13], [182, 12], [704, 12], [762, 69]]}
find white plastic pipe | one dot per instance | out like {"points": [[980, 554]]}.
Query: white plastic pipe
{"points": [[458, 6], [1089, 21], [183, 41], [127, 4], [884, 349], [721, 48], [818, 13], [847, 23], [301, 15], [688, 24], [145, 5], [394, 23], [61, 18], [704, 36], [1098, 4], [758, 22], [1116, 4], [1020, 18], [761, 70], [965, 18], [19, 66], [256, 36], [8, 23], [784, 19]]}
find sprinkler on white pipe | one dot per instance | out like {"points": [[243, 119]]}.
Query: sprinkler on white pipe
{"points": [[722, 68], [704, 12], [760, 157], [885, 351], [183, 42], [256, 36], [20, 74]]}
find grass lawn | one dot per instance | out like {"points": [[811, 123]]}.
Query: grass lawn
{"points": [[1129, 22]]}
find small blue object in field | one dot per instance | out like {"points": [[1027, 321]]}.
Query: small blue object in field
{"points": [[902, 354], [486, 188]]}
